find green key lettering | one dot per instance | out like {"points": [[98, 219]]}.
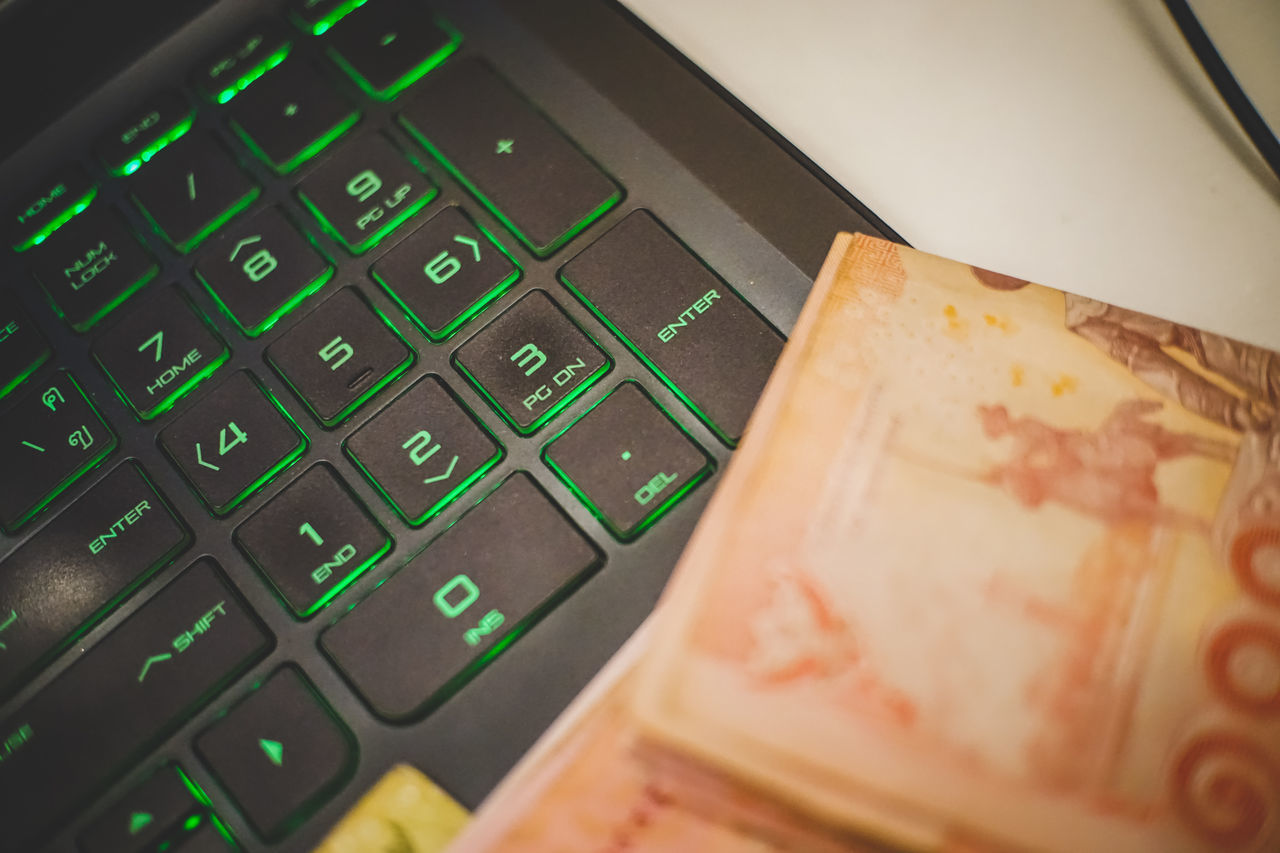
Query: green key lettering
{"points": [[469, 595]]}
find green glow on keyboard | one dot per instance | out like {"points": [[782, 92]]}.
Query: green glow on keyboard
{"points": [[475, 308], [22, 375], [449, 498], [303, 156], [76, 207], [551, 411], [243, 82], [658, 511], [90, 463], [372, 391], [275, 470], [112, 305], [541, 252], [377, 237], [155, 148], [413, 75], [222, 219], [348, 580], [684, 398], [266, 325], [180, 391], [322, 26]]}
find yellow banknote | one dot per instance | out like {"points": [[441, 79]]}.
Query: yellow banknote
{"points": [[404, 813], [996, 568]]}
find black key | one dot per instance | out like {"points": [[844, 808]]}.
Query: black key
{"points": [[261, 269], [446, 272], [22, 347], [49, 437], [151, 810], [91, 266], [312, 540], [48, 206], [240, 60], [279, 753], [338, 356], [232, 442], [627, 460], [291, 115], [531, 361], [81, 565], [515, 161], [423, 450], [493, 572], [364, 191], [190, 190], [386, 47], [122, 696], [160, 350], [144, 131], [317, 16], [680, 318]]}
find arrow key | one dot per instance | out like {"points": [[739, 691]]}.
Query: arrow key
{"points": [[139, 818], [261, 270], [446, 272], [280, 753]]}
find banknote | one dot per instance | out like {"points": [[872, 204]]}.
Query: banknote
{"points": [[588, 786], [995, 568], [405, 812]]}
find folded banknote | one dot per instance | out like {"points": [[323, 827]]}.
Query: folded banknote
{"points": [[995, 568]]}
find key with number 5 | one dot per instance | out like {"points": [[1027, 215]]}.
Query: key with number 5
{"points": [[339, 356]]}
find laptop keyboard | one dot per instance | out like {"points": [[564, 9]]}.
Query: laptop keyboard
{"points": [[490, 315]]}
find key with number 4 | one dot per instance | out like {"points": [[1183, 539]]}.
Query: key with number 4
{"points": [[232, 441]]}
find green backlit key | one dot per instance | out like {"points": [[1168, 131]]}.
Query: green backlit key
{"points": [[158, 351], [49, 205], [627, 460], [261, 269], [144, 131], [122, 696], [291, 115], [423, 450], [531, 361], [446, 272], [22, 347], [363, 191], [386, 47], [49, 436], [190, 189], [481, 582], [312, 540], [149, 812], [241, 60], [339, 356], [317, 16], [280, 752], [92, 265], [509, 155], [232, 442], [79, 566]]}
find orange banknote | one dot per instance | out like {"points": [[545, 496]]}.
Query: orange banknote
{"points": [[587, 786], [996, 568]]}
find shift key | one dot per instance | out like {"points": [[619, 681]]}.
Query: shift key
{"points": [[699, 336], [122, 697], [80, 565]]}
